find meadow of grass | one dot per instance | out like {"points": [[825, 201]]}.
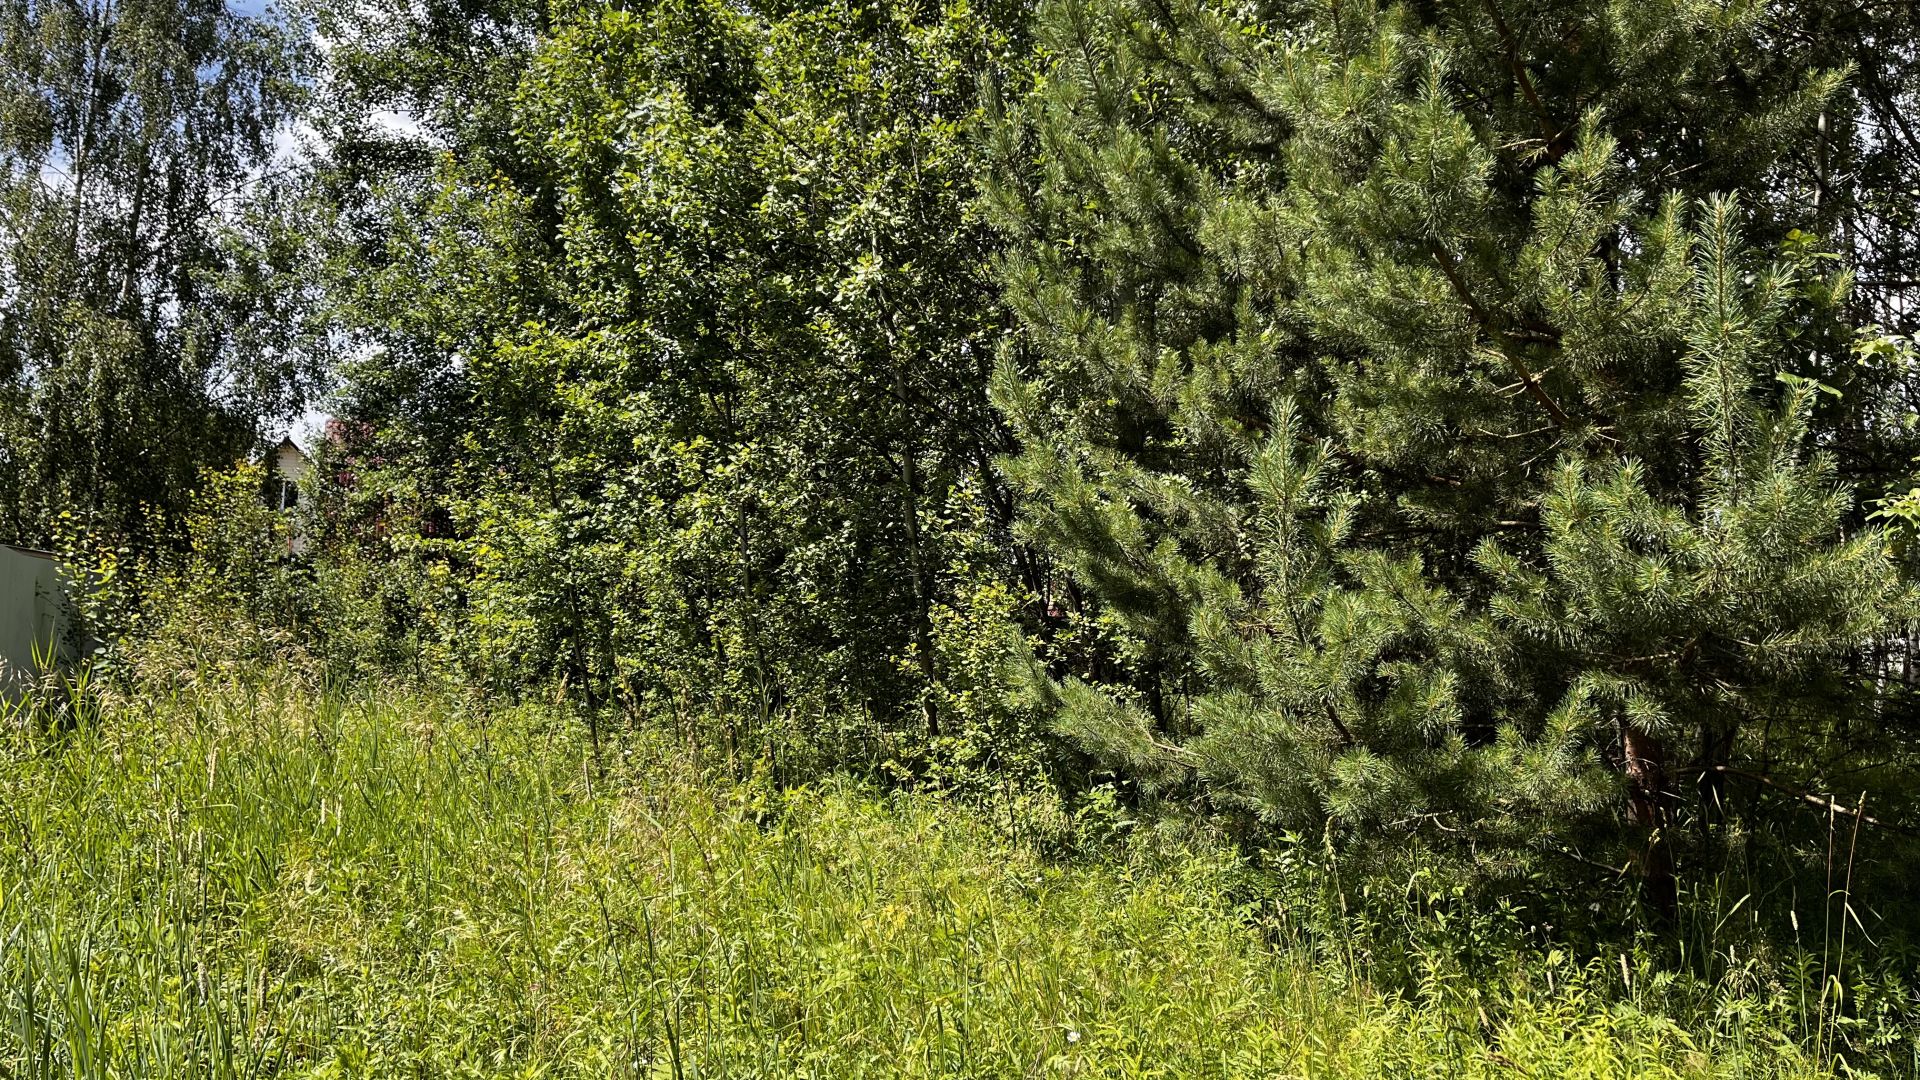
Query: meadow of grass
{"points": [[250, 879]]}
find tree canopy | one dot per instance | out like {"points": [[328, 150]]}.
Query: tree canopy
{"points": [[152, 291]]}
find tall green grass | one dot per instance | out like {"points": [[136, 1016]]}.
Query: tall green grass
{"points": [[251, 881]]}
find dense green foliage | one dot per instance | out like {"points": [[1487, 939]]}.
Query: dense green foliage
{"points": [[1437, 455], [721, 343], [1453, 426]]}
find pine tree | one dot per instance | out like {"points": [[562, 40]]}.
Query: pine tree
{"points": [[1429, 451]]}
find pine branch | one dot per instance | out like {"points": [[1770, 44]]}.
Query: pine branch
{"points": [[1508, 348], [1574, 856], [1238, 92], [1557, 142], [1827, 803]]}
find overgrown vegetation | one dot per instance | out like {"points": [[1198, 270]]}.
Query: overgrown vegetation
{"points": [[1424, 495], [249, 877], [1452, 431]]}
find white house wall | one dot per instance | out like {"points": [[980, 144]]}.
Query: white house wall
{"points": [[33, 614]]}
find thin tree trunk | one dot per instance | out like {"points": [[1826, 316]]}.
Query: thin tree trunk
{"points": [[916, 563], [1646, 767]]}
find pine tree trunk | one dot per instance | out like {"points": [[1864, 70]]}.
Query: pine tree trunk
{"points": [[1646, 767]]}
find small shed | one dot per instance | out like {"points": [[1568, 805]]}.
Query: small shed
{"points": [[36, 619]]}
